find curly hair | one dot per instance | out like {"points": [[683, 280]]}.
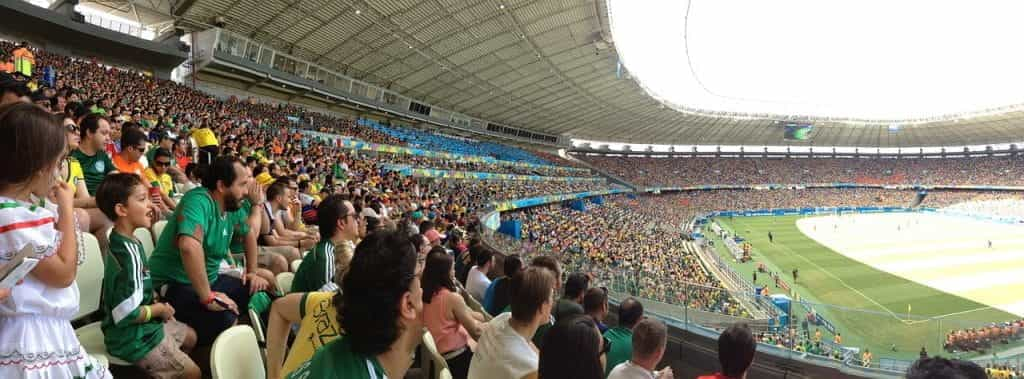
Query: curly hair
{"points": [[381, 272]]}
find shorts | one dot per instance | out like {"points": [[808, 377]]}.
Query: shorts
{"points": [[283, 251], [263, 260], [167, 360], [207, 324]]}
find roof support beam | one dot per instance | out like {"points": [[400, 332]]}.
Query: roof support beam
{"points": [[180, 9]]}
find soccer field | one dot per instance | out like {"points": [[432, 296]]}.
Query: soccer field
{"points": [[903, 279]]}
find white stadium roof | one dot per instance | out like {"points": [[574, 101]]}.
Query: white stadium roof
{"points": [[720, 72]]}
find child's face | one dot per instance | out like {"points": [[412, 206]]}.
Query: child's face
{"points": [[136, 208]]}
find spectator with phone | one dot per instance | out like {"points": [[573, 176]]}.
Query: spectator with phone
{"points": [[188, 254], [158, 176], [35, 319], [135, 328]]}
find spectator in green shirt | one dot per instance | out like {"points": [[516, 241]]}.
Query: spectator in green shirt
{"points": [[337, 225], [380, 312], [631, 312], [190, 250], [135, 328], [96, 164], [94, 131]]}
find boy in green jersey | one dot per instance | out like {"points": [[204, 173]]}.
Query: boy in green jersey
{"points": [[135, 328]]}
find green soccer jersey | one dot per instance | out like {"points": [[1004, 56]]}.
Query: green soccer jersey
{"points": [[337, 360], [94, 167], [240, 228], [622, 347], [126, 288], [197, 216], [316, 269]]}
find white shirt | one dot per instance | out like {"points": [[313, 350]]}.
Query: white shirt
{"points": [[477, 283], [628, 370], [502, 353]]}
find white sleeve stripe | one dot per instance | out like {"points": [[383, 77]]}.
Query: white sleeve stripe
{"points": [[128, 305], [329, 262]]}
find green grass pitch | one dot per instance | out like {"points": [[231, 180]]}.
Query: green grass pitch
{"points": [[869, 307]]}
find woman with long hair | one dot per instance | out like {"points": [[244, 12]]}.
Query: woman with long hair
{"points": [[445, 313]]}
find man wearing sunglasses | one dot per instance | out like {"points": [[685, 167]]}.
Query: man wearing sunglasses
{"points": [[133, 147], [157, 176]]}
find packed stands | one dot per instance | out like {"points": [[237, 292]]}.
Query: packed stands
{"points": [[632, 239], [614, 237], [268, 138], [683, 172], [440, 142]]}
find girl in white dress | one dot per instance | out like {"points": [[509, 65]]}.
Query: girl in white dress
{"points": [[36, 337]]}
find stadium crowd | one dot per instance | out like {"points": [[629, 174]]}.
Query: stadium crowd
{"points": [[455, 165], [243, 194], [613, 239], [682, 172], [281, 193]]}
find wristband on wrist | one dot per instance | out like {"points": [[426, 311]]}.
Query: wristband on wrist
{"points": [[209, 299], [147, 313]]}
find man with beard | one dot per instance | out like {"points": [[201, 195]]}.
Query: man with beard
{"points": [[185, 264]]}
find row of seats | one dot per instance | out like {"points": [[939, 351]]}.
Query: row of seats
{"points": [[452, 145], [237, 354], [90, 280]]}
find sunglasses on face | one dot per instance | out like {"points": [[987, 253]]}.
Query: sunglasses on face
{"points": [[72, 128], [162, 164]]}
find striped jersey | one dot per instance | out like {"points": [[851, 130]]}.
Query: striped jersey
{"points": [[126, 288]]}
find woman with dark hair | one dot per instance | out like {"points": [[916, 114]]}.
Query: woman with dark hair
{"points": [[573, 349], [446, 315]]}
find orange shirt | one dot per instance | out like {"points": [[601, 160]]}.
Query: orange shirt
{"points": [[136, 168], [7, 67]]}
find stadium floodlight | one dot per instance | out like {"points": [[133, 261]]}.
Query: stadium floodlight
{"points": [[871, 61]]}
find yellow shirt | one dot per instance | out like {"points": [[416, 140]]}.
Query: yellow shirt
{"points": [[163, 182], [204, 137], [318, 327], [75, 174]]}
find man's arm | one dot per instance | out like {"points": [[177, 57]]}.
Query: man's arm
{"points": [[194, 261], [251, 242]]}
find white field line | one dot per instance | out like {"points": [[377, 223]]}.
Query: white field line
{"points": [[851, 288], [930, 251]]}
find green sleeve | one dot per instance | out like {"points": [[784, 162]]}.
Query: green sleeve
{"points": [[192, 216], [306, 276], [122, 284]]}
